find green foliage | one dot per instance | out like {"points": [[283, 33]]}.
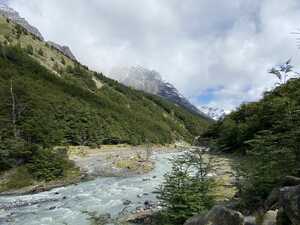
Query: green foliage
{"points": [[266, 134], [47, 164], [187, 189], [41, 52], [53, 110], [63, 61], [20, 30], [267, 163], [29, 49], [19, 179]]}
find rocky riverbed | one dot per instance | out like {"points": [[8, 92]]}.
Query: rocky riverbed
{"points": [[103, 200]]}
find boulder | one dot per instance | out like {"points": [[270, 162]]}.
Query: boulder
{"points": [[196, 220], [127, 202], [273, 200], [289, 200], [218, 215], [250, 220], [282, 218], [270, 217], [140, 217]]}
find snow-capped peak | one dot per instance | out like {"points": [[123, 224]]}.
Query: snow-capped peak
{"points": [[214, 113]]}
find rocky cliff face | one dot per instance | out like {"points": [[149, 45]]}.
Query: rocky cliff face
{"points": [[151, 81], [64, 49], [15, 17]]}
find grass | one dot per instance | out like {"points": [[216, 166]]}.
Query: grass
{"points": [[5, 27], [134, 163], [20, 177], [224, 189], [51, 56], [16, 179]]}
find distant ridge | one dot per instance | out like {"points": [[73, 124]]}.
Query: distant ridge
{"points": [[151, 82], [13, 15]]}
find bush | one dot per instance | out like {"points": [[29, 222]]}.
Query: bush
{"points": [[267, 164], [265, 135], [29, 49], [187, 189], [41, 52], [63, 61], [19, 179], [47, 165]]}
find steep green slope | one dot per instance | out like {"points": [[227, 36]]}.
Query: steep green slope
{"points": [[267, 135], [49, 100]]}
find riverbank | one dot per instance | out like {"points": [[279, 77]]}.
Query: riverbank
{"points": [[86, 202], [89, 163], [116, 200]]}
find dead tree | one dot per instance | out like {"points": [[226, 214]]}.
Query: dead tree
{"points": [[13, 109], [148, 151]]}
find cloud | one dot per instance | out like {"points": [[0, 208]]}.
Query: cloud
{"points": [[198, 45]]}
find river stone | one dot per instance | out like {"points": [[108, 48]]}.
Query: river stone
{"points": [[273, 199], [196, 220], [218, 215], [250, 220], [290, 201], [126, 202]]}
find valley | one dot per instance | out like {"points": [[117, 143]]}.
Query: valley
{"points": [[211, 139]]}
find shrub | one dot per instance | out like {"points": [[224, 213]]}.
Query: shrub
{"points": [[187, 189], [41, 52], [29, 49], [47, 165], [63, 61], [19, 179]]}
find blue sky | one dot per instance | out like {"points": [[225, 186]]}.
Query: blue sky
{"points": [[197, 45]]}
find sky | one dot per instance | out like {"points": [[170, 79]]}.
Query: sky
{"points": [[217, 53]]}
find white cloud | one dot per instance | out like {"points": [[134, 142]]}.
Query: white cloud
{"points": [[195, 44]]}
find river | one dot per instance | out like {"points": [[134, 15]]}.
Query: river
{"points": [[76, 204]]}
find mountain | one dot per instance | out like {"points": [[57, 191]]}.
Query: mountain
{"points": [[48, 99], [107, 92], [16, 18], [214, 113], [151, 82], [64, 49]]}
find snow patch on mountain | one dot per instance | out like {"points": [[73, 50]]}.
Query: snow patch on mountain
{"points": [[214, 113]]}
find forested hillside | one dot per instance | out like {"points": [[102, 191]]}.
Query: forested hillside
{"points": [[49, 100], [266, 136]]}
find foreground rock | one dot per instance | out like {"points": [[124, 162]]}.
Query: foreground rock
{"points": [[219, 215], [270, 217], [289, 200]]}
